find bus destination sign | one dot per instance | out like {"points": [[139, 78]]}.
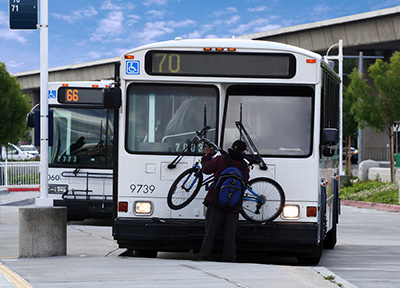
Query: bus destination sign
{"points": [[216, 64], [72, 95]]}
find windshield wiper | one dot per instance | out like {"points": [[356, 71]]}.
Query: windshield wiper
{"points": [[101, 142]]}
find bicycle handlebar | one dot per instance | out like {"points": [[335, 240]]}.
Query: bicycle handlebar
{"points": [[200, 137], [252, 159], [203, 131]]}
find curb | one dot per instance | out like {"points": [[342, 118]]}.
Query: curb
{"points": [[23, 189], [371, 205], [4, 191], [324, 272]]}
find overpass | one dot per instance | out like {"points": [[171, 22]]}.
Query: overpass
{"points": [[89, 71], [375, 33]]}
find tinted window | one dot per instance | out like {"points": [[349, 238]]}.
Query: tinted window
{"points": [[278, 119], [82, 137], [164, 118]]}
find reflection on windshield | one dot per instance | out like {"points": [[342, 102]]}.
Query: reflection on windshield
{"points": [[279, 125], [164, 118], [82, 137]]}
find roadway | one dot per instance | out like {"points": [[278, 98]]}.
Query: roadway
{"points": [[366, 255], [368, 249]]}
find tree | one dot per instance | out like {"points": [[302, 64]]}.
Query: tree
{"points": [[379, 112], [13, 108], [350, 124]]}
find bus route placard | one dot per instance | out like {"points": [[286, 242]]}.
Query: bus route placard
{"points": [[23, 14]]}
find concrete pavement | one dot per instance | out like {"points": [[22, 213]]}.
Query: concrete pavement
{"points": [[93, 260]]}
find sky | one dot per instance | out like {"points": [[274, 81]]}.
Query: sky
{"points": [[89, 30]]}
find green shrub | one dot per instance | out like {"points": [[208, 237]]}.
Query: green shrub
{"points": [[367, 191]]}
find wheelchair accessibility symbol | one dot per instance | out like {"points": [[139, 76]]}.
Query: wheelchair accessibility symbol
{"points": [[52, 94], [132, 67]]}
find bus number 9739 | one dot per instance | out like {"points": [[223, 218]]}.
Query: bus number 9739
{"points": [[142, 188]]}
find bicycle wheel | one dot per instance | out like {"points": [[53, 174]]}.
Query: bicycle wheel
{"points": [[254, 210], [184, 188]]}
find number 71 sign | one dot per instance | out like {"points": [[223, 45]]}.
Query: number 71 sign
{"points": [[23, 14]]}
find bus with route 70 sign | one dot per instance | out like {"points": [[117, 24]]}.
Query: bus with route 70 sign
{"points": [[286, 97]]}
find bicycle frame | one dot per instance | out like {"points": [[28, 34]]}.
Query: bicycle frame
{"points": [[196, 165], [205, 182], [254, 194], [200, 136], [210, 179]]}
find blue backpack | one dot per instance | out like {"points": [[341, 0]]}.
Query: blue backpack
{"points": [[230, 186]]}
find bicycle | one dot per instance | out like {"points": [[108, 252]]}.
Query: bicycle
{"points": [[263, 198]]}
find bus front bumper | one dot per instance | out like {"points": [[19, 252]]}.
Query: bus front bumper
{"points": [[169, 235], [80, 209]]}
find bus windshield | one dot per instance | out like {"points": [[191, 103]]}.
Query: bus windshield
{"points": [[82, 138], [278, 119], [165, 118]]}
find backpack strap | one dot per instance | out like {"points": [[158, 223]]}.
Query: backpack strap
{"points": [[229, 163]]}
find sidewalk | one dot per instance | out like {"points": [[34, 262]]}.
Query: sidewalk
{"points": [[17, 198], [371, 205], [93, 260]]}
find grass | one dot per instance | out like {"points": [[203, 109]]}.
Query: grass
{"points": [[371, 191]]}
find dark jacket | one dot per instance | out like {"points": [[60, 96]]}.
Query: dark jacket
{"points": [[216, 166]]}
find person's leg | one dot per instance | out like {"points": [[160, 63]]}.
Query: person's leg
{"points": [[229, 234], [213, 226]]}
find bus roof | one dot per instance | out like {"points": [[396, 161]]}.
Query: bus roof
{"points": [[237, 43], [101, 83]]}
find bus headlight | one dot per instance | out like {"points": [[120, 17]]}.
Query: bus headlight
{"points": [[143, 208], [291, 211]]}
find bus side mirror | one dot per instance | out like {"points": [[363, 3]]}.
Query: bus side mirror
{"points": [[329, 139], [34, 119], [329, 136], [30, 119], [112, 98]]}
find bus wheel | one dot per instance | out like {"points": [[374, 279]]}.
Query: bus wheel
{"points": [[331, 236], [146, 253]]}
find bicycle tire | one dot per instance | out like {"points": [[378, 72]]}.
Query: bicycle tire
{"points": [[178, 196], [268, 190]]}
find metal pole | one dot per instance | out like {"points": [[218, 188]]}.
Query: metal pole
{"points": [[43, 200], [360, 131], [339, 57], [340, 60], [6, 173]]}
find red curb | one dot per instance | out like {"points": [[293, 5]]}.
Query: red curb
{"points": [[23, 189], [371, 205]]}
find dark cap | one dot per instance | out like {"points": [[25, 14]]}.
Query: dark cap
{"points": [[239, 145]]}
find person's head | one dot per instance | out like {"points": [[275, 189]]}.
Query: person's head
{"points": [[239, 145]]}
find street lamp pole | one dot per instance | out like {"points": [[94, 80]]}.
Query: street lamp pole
{"points": [[43, 200]]}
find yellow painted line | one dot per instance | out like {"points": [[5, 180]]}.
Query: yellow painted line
{"points": [[13, 277], [11, 257]]}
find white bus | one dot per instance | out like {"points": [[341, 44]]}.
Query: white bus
{"points": [[288, 100], [80, 149]]}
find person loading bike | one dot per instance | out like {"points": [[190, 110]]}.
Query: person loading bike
{"points": [[218, 219]]}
